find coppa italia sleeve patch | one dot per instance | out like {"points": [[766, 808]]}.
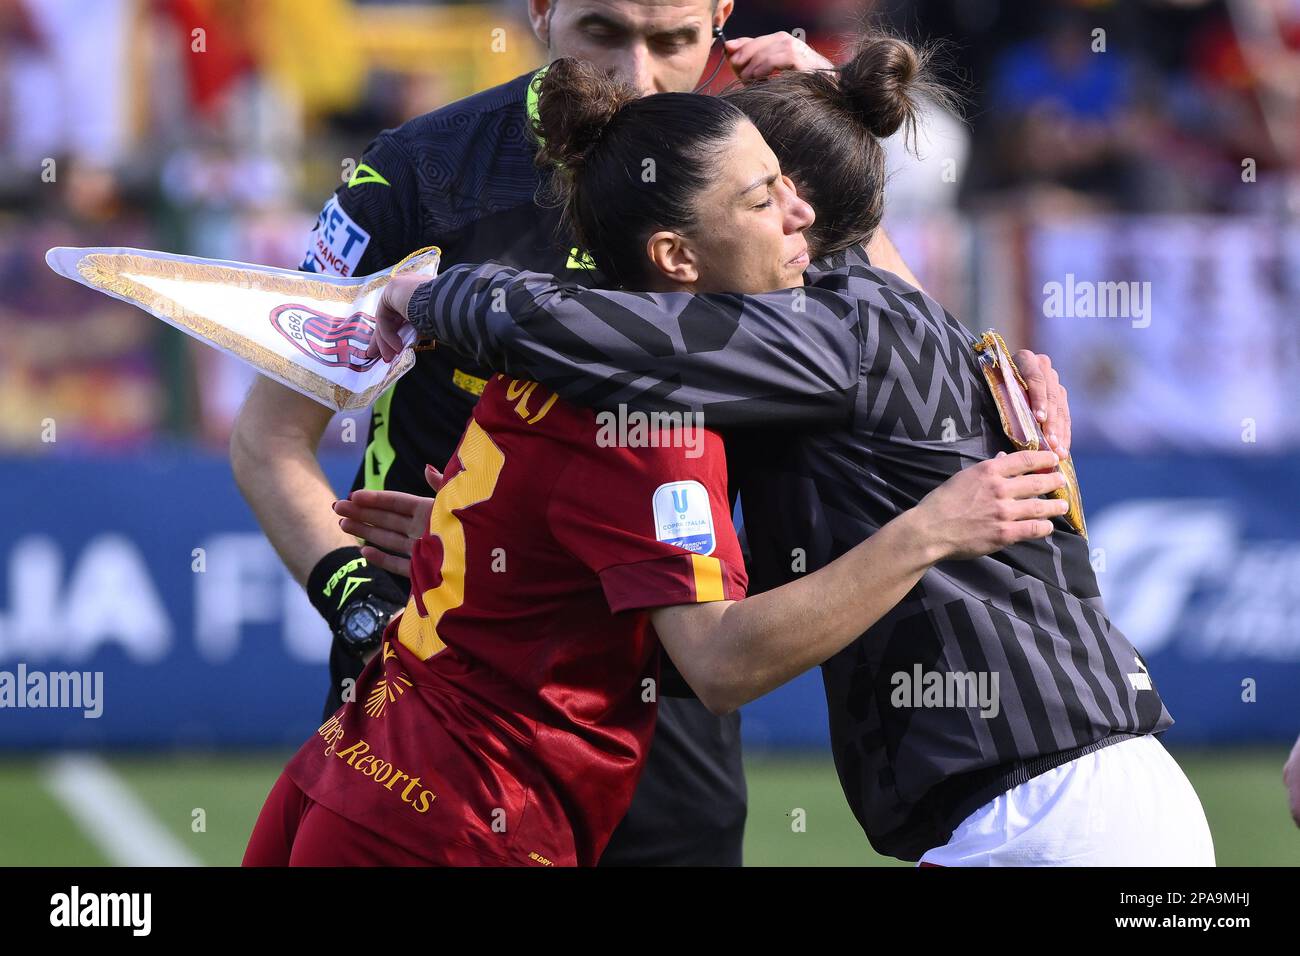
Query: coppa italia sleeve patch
{"points": [[336, 244], [683, 517]]}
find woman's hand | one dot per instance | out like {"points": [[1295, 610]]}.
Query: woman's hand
{"points": [[1047, 398], [389, 522], [756, 58], [390, 316], [991, 505]]}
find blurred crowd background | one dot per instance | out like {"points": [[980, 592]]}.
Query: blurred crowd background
{"points": [[218, 128]]}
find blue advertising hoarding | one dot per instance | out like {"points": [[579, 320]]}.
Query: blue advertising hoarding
{"points": [[146, 584]]}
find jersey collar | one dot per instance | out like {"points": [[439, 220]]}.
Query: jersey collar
{"points": [[530, 98]]}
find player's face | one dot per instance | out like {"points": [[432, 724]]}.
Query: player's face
{"points": [[658, 46], [750, 222]]}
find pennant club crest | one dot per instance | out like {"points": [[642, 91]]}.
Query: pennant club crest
{"points": [[330, 340]]}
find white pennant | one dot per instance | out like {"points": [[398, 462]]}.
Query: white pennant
{"points": [[307, 331]]}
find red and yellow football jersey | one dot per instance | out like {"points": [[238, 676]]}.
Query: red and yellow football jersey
{"points": [[509, 714]]}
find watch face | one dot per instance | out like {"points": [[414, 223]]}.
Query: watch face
{"points": [[360, 623]]}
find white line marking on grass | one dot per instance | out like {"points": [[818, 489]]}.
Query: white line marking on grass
{"points": [[111, 815]]}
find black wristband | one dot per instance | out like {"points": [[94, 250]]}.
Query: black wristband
{"points": [[343, 576]]}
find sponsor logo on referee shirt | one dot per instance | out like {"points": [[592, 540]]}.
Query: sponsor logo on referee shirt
{"points": [[365, 173], [337, 243]]}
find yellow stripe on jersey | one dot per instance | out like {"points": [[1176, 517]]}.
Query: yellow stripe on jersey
{"points": [[708, 579]]}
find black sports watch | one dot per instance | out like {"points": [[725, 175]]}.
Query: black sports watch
{"points": [[362, 623]]}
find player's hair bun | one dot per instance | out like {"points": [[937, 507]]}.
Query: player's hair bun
{"points": [[882, 81], [576, 104]]}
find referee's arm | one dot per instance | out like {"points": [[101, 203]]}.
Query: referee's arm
{"points": [[273, 457], [366, 226]]}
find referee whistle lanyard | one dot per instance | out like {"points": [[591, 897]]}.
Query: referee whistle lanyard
{"points": [[307, 331]]}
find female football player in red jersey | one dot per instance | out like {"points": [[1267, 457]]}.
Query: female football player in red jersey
{"points": [[507, 717]]}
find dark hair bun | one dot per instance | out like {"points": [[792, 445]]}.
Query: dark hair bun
{"points": [[576, 103], [882, 81]]}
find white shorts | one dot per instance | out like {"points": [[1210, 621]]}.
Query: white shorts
{"points": [[1128, 804]]}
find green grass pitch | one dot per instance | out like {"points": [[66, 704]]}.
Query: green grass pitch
{"points": [[1240, 789]]}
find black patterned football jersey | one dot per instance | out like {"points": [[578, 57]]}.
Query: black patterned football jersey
{"points": [[847, 401]]}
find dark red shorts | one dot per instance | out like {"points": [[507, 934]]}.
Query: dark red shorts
{"points": [[294, 830]]}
